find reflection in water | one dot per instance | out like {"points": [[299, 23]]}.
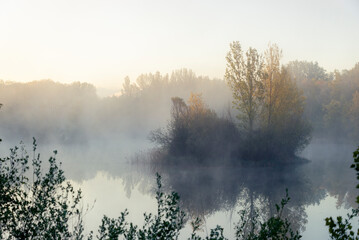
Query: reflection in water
{"points": [[210, 192], [207, 190]]}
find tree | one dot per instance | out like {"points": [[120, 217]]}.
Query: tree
{"points": [[244, 74], [354, 114], [339, 117], [288, 130], [271, 77], [129, 89], [269, 103], [179, 108], [334, 117], [303, 71], [196, 104], [196, 132]]}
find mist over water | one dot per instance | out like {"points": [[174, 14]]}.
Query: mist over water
{"points": [[110, 185], [104, 147], [118, 177]]}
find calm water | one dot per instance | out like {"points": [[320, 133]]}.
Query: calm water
{"points": [[111, 183]]}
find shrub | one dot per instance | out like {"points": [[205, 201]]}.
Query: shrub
{"points": [[195, 131], [40, 208], [341, 228]]}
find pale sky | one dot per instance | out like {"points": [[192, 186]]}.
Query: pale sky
{"points": [[102, 41]]}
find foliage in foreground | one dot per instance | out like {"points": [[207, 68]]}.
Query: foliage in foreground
{"points": [[37, 207], [165, 225], [170, 220], [341, 228], [47, 207], [275, 227]]}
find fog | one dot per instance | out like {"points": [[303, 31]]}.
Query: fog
{"points": [[110, 135], [115, 128], [71, 114]]}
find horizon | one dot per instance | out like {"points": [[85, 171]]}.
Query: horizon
{"points": [[108, 91], [103, 42]]}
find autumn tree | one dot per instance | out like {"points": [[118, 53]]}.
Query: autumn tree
{"points": [[244, 74], [196, 104], [282, 113], [271, 75], [195, 131], [269, 100], [289, 130]]}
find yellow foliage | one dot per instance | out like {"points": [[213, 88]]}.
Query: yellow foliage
{"points": [[196, 104]]}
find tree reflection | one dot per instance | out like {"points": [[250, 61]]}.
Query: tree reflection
{"points": [[206, 190]]}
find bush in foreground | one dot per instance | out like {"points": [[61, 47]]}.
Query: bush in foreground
{"points": [[44, 206], [341, 228], [40, 206]]}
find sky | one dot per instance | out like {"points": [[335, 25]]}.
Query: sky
{"points": [[102, 41]]}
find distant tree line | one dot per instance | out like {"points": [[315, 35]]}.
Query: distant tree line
{"points": [[73, 113], [332, 99]]}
